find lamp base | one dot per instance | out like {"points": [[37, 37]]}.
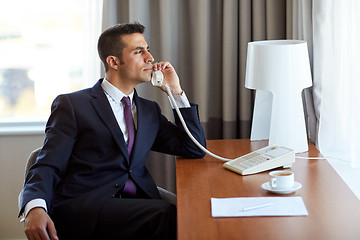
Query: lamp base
{"points": [[283, 124]]}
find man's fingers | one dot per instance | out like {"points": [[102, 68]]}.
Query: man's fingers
{"points": [[37, 235], [52, 230]]}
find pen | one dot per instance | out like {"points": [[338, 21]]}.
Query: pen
{"points": [[256, 206]]}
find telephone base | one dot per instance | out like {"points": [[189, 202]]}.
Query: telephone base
{"points": [[261, 160]]}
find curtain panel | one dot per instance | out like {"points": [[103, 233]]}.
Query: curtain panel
{"points": [[336, 77]]}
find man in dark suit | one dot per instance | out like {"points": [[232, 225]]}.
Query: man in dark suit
{"points": [[90, 179]]}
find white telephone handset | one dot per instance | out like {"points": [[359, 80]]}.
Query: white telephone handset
{"points": [[157, 78], [284, 157]]}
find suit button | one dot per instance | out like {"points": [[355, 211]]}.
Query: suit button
{"points": [[130, 171], [117, 185]]}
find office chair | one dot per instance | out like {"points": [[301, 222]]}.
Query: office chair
{"points": [[164, 194]]}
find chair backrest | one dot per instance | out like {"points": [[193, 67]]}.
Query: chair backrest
{"points": [[30, 161]]}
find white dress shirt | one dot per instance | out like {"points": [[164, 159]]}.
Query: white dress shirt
{"points": [[114, 96]]}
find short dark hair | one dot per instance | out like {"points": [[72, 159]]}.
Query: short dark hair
{"points": [[110, 42]]}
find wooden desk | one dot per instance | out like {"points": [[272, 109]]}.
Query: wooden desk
{"points": [[334, 211]]}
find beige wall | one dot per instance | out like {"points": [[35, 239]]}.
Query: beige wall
{"points": [[14, 151]]}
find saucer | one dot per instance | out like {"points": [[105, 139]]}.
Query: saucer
{"points": [[267, 187]]}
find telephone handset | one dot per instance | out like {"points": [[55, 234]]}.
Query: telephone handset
{"points": [[275, 156], [157, 78]]}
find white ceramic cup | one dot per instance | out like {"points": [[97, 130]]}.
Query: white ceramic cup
{"points": [[282, 179]]}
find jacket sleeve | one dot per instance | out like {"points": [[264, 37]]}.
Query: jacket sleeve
{"points": [[52, 160], [172, 138]]}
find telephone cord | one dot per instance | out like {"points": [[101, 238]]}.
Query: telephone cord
{"points": [[187, 130]]}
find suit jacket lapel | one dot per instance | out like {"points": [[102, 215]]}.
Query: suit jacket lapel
{"points": [[142, 122], [103, 108]]}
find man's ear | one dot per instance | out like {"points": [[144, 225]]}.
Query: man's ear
{"points": [[113, 62]]}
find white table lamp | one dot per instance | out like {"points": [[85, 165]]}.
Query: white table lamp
{"points": [[279, 70]]}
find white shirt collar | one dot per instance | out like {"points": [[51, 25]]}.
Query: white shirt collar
{"points": [[114, 92]]}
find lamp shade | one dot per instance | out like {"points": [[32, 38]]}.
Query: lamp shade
{"points": [[279, 70]]}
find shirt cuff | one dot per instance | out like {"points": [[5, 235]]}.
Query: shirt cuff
{"points": [[38, 202], [181, 100]]}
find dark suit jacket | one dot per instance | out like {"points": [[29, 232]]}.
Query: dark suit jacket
{"points": [[84, 160]]}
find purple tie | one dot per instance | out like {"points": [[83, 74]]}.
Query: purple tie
{"points": [[129, 123], [130, 187]]}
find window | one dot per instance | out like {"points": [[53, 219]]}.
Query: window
{"points": [[45, 47]]}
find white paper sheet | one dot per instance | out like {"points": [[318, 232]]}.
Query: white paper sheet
{"points": [[279, 206]]}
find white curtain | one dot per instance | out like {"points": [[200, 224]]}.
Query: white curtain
{"points": [[336, 76]]}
